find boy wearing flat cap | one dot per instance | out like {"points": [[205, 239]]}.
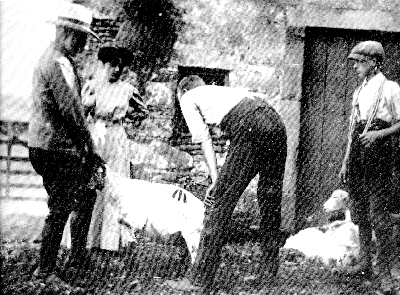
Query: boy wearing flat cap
{"points": [[366, 167], [60, 146]]}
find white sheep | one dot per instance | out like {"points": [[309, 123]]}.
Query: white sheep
{"points": [[337, 241], [159, 210], [345, 232]]}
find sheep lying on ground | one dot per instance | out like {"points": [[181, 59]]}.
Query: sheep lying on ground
{"points": [[337, 241], [158, 210]]}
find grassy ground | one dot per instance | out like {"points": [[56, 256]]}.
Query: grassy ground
{"points": [[144, 268]]}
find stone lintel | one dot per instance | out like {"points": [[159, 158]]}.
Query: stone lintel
{"points": [[317, 16]]}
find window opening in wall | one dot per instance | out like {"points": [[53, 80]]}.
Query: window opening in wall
{"points": [[211, 76]]}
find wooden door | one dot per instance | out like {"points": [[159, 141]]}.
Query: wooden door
{"points": [[329, 81]]}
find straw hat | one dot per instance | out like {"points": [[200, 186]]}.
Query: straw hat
{"points": [[77, 17]]}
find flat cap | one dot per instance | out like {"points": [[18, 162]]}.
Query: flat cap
{"points": [[367, 49]]}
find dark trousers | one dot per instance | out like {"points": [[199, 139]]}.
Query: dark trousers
{"points": [[258, 144], [65, 179], [370, 181]]}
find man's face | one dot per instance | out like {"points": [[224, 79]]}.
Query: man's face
{"points": [[76, 41], [364, 67]]}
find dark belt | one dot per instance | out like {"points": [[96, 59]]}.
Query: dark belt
{"points": [[376, 124]]}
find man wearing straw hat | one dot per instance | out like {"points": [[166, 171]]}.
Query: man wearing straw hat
{"points": [[366, 167], [60, 147]]}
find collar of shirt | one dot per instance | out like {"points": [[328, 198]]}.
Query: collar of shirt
{"points": [[366, 95], [374, 81]]}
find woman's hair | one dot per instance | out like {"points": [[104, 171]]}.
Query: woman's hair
{"points": [[114, 55], [190, 82]]}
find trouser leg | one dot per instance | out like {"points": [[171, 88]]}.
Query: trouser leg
{"points": [[234, 177], [51, 239], [369, 190], [270, 209], [80, 223], [384, 248], [361, 216], [269, 193], [365, 238], [64, 178], [360, 209], [383, 226]]}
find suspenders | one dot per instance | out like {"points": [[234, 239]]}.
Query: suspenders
{"points": [[355, 113]]}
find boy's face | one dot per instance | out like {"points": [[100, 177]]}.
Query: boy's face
{"points": [[364, 67]]}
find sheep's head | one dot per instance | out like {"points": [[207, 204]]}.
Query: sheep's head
{"points": [[338, 200]]}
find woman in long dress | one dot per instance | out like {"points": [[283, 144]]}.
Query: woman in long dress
{"points": [[108, 102]]}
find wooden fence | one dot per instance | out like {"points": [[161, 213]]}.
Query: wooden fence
{"points": [[18, 179]]}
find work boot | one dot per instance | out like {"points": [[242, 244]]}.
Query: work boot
{"points": [[47, 277]]}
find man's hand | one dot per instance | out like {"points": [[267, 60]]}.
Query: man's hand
{"points": [[368, 138], [209, 199]]}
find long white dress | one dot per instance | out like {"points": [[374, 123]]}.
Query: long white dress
{"points": [[111, 104]]}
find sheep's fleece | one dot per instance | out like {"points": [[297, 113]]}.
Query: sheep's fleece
{"points": [[158, 209], [337, 242]]}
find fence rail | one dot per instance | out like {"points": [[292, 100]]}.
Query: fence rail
{"points": [[18, 179]]}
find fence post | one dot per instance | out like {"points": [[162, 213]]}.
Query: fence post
{"points": [[9, 148]]}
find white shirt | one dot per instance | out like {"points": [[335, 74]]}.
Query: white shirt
{"points": [[110, 99], [208, 105], [389, 106]]}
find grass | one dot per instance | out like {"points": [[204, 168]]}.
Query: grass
{"points": [[144, 268]]}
